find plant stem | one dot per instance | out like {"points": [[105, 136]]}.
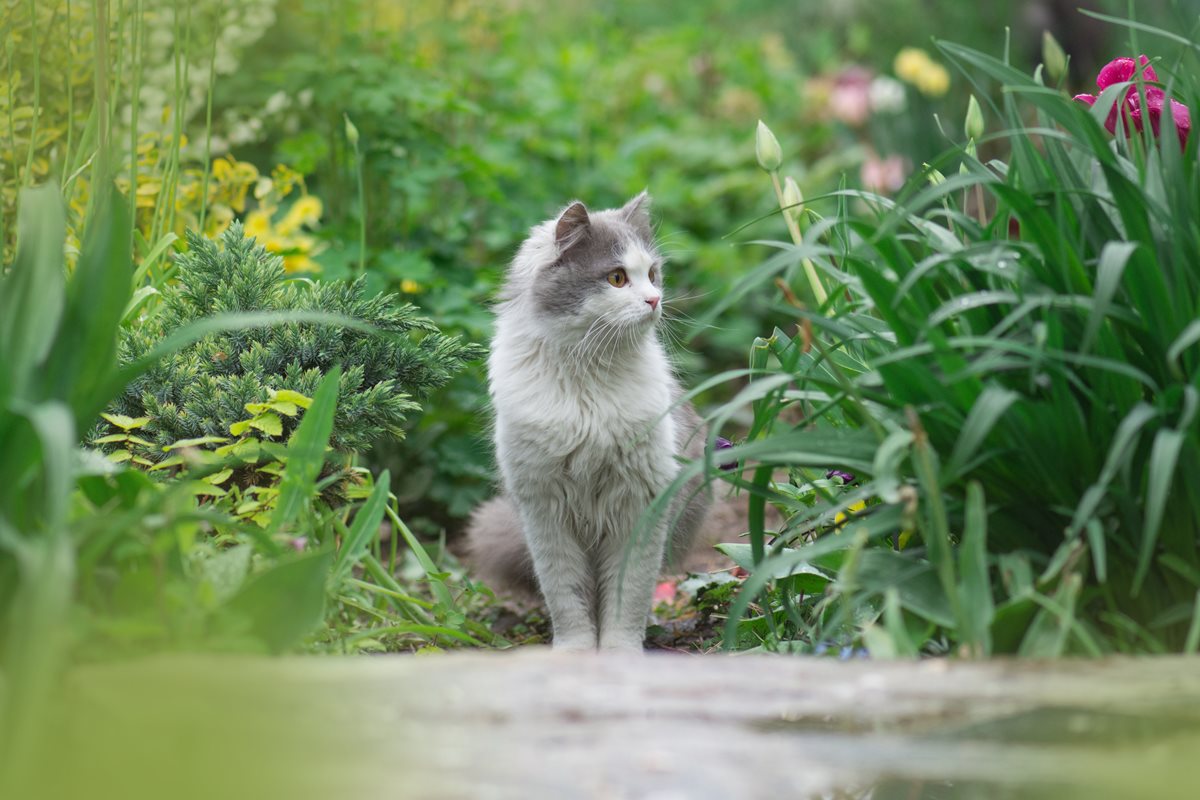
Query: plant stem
{"points": [[135, 53], [810, 271], [37, 93], [100, 168], [70, 88], [212, 81]]}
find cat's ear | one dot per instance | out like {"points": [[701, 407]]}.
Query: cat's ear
{"points": [[572, 226], [639, 205], [637, 213]]}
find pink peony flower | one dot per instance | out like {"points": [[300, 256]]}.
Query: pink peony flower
{"points": [[1122, 70]]}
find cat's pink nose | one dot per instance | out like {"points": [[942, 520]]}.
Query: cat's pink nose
{"points": [[652, 301]]}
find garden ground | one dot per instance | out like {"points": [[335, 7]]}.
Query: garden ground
{"points": [[545, 724]]}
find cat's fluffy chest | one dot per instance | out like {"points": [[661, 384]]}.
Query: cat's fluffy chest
{"points": [[581, 422]]}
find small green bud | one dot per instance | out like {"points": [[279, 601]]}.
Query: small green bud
{"points": [[793, 201], [351, 132], [973, 126], [1053, 57], [766, 148], [936, 178]]}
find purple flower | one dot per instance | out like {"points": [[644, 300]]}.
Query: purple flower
{"points": [[1121, 70], [847, 477], [725, 444]]}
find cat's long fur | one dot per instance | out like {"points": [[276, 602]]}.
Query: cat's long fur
{"points": [[588, 427]]}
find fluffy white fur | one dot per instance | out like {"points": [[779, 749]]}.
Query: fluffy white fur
{"points": [[584, 440]]}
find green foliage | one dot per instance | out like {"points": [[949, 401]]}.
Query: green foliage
{"points": [[205, 390], [57, 369], [1009, 367], [98, 559]]}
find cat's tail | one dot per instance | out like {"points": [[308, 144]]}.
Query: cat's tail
{"points": [[496, 551]]}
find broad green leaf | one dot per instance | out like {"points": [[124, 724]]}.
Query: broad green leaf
{"points": [[32, 293], [289, 396], [278, 406], [286, 602], [197, 442], [167, 463], [226, 571], [126, 423], [113, 437], [218, 478], [741, 555], [269, 423], [306, 453], [82, 361]]}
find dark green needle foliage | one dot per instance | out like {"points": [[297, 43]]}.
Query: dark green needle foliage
{"points": [[203, 389]]}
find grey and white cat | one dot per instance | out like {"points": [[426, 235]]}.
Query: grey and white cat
{"points": [[588, 428]]}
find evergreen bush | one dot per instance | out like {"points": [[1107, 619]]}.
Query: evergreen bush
{"points": [[202, 390]]}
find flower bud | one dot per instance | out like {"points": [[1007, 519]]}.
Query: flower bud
{"points": [[766, 148], [936, 178], [793, 201], [1053, 57], [351, 132], [973, 126]]}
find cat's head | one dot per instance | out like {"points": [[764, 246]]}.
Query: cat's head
{"points": [[586, 271]]}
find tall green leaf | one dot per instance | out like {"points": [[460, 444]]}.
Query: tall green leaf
{"points": [[306, 454]]}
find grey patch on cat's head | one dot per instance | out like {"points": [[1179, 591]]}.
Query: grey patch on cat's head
{"points": [[589, 247]]}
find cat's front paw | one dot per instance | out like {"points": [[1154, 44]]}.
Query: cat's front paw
{"points": [[574, 644], [621, 644]]}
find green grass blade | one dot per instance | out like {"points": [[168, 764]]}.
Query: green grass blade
{"points": [[984, 414], [306, 453], [979, 608], [1164, 456], [365, 526]]}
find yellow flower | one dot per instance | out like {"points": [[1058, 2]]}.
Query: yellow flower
{"points": [[258, 224], [909, 64], [300, 263], [934, 81], [913, 65], [840, 518], [409, 286], [305, 211]]}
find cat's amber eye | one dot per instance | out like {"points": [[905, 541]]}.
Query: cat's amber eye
{"points": [[652, 273], [618, 278]]}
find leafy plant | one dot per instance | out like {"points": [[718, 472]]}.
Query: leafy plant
{"points": [[1008, 365], [96, 558], [202, 393]]}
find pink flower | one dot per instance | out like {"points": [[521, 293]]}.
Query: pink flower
{"points": [[665, 592], [850, 99], [883, 175], [1122, 70]]}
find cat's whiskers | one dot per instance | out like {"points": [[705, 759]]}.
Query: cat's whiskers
{"points": [[600, 327]]}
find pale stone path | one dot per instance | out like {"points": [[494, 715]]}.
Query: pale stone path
{"points": [[536, 724]]}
